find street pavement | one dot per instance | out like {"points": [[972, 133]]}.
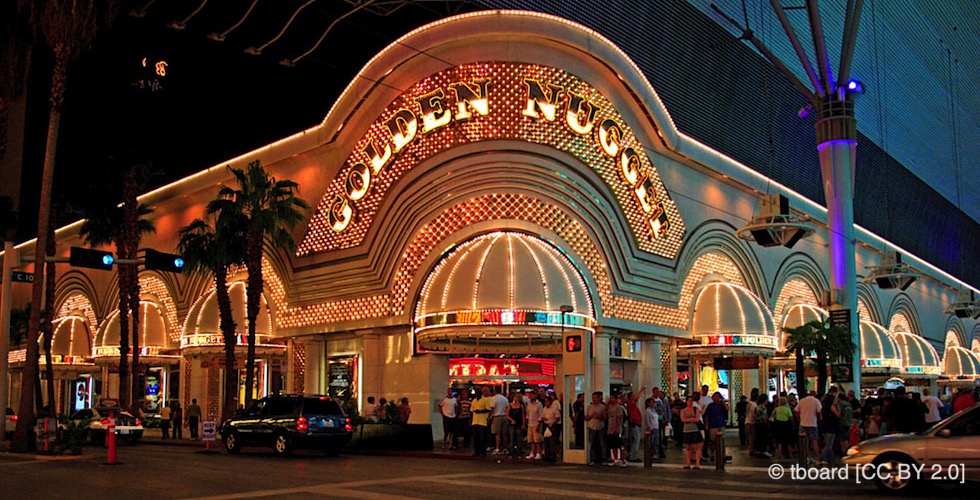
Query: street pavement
{"points": [[150, 470]]}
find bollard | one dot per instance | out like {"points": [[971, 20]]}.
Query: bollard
{"points": [[110, 440], [719, 443], [803, 449]]}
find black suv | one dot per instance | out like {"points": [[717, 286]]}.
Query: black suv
{"points": [[286, 422]]}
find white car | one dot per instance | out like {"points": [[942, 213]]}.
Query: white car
{"points": [[947, 451], [128, 427], [11, 419]]}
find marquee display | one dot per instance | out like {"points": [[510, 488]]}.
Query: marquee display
{"points": [[486, 101]]}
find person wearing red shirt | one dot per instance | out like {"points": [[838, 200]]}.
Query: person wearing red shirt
{"points": [[963, 401]]}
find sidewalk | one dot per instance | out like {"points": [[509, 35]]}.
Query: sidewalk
{"points": [[675, 455]]}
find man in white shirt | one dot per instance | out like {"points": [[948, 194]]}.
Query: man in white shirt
{"points": [[448, 407], [934, 404], [498, 424], [534, 413], [809, 411]]}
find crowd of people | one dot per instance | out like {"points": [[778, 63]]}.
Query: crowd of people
{"points": [[492, 423]]}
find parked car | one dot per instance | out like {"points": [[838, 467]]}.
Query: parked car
{"points": [[128, 427], [288, 422], [948, 451], [11, 419]]}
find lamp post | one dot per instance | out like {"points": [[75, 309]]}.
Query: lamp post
{"points": [[565, 309]]}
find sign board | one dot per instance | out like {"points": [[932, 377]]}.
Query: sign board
{"points": [[341, 375], [209, 429], [840, 318], [737, 363], [21, 277], [841, 373]]}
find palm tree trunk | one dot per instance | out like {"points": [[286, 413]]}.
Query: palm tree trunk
{"points": [[131, 242], [253, 302], [800, 373], [227, 324], [134, 308], [124, 385], [25, 414], [47, 326]]}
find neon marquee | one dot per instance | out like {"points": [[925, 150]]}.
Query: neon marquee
{"points": [[766, 341], [486, 101]]}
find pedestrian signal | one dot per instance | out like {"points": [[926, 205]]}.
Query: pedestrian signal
{"points": [[573, 343]]}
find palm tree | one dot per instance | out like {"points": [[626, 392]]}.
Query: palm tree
{"points": [[68, 27], [833, 345], [267, 208], [104, 226], [801, 342], [210, 250]]}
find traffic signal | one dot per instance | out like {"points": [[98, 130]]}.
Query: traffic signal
{"points": [[573, 343], [159, 261], [87, 257]]}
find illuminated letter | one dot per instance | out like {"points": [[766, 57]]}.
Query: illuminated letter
{"points": [[358, 181], [377, 161], [536, 99], [403, 126], [478, 100], [609, 136], [629, 166], [433, 114], [645, 193], [576, 103], [659, 223], [340, 214]]}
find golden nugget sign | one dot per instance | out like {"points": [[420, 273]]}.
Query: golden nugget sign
{"points": [[478, 102]]}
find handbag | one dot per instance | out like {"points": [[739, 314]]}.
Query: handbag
{"points": [[547, 432]]}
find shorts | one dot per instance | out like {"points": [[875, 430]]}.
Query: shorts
{"points": [[534, 433], [448, 425], [613, 441], [693, 437], [811, 432], [499, 425]]}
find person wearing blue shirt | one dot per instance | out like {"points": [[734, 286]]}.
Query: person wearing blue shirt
{"points": [[715, 417]]}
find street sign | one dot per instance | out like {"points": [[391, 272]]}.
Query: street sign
{"points": [[209, 429], [21, 277], [841, 318]]}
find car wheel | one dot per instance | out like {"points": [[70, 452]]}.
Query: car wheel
{"points": [[232, 443], [887, 475], [282, 446]]}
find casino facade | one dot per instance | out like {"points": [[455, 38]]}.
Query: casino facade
{"points": [[486, 185]]}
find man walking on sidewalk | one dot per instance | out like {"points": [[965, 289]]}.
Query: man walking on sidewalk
{"points": [[193, 418]]}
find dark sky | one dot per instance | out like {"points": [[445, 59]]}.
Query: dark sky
{"points": [[216, 101]]}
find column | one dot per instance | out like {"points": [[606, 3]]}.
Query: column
{"points": [[763, 375], [6, 294], [837, 145], [372, 365], [673, 366], [650, 364], [313, 375], [600, 361]]}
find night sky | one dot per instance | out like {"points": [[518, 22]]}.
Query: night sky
{"points": [[215, 101]]}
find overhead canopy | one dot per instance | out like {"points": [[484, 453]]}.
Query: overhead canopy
{"points": [[961, 363], [798, 315], [502, 292], [919, 357], [154, 339], [201, 329], [730, 319], [879, 351], [72, 341]]}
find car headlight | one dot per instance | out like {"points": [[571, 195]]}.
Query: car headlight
{"points": [[853, 450]]}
